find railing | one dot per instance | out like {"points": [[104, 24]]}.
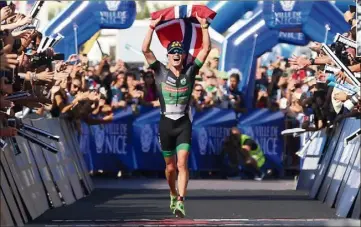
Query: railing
{"points": [[36, 180], [331, 169]]}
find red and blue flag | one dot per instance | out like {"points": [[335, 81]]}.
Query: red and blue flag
{"points": [[180, 23]]}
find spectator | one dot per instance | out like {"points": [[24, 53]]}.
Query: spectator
{"points": [[118, 89], [233, 97], [198, 99], [149, 90]]}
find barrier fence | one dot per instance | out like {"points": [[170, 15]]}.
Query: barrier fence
{"points": [[331, 169], [36, 180], [131, 143]]}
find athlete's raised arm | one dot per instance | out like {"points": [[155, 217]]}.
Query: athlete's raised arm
{"points": [[206, 42], [149, 56]]}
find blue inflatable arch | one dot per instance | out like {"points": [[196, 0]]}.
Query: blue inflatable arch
{"points": [[90, 17], [228, 12], [292, 22]]}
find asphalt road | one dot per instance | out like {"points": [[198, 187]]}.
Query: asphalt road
{"points": [[133, 203]]}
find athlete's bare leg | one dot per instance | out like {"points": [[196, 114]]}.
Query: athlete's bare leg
{"points": [[183, 174], [171, 173]]}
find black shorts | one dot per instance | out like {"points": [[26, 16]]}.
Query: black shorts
{"points": [[175, 135]]}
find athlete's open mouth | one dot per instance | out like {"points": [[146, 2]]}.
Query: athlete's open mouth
{"points": [[176, 59]]}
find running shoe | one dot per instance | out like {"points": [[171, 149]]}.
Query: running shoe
{"points": [[260, 177], [179, 210], [173, 202]]}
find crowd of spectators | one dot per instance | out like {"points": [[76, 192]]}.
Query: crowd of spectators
{"points": [[91, 92], [78, 89]]}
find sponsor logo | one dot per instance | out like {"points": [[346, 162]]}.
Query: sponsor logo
{"points": [[170, 83], [170, 79], [173, 89], [112, 5], [248, 131], [287, 5], [146, 138], [202, 140], [99, 134], [183, 81]]}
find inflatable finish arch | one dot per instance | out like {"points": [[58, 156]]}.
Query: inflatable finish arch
{"points": [[228, 12], [90, 17], [293, 22]]}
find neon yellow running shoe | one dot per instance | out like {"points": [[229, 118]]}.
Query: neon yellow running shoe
{"points": [[179, 210], [173, 202]]}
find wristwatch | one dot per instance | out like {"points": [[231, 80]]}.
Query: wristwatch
{"points": [[205, 25]]}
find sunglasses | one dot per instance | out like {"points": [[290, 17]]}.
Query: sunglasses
{"points": [[198, 90], [176, 51]]}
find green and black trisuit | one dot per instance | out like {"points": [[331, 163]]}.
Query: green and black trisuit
{"points": [[175, 126]]}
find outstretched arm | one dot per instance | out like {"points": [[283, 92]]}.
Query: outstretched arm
{"points": [[206, 42], [148, 54]]}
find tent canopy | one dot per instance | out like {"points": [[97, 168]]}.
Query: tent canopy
{"points": [[89, 17], [292, 22]]}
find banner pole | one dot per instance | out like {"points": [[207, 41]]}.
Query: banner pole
{"points": [[327, 28], [75, 27], [252, 59]]}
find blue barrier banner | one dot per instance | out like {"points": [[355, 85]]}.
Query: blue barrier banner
{"points": [[145, 140], [265, 127], [110, 145], [131, 141], [209, 130]]}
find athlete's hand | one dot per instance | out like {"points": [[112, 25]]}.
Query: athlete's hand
{"points": [[155, 22], [201, 20]]}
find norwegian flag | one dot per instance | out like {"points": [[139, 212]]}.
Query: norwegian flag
{"points": [[180, 23]]}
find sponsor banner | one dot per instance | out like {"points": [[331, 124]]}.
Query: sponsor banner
{"points": [[146, 141], [296, 38], [265, 128], [209, 131], [112, 14], [286, 14], [131, 142], [110, 145]]}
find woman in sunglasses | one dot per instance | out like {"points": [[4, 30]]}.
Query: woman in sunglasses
{"points": [[175, 85]]}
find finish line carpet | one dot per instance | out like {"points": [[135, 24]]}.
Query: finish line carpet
{"points": [[132, 203]]}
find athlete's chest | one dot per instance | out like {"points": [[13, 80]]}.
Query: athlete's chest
{"points": [[173, 81]]}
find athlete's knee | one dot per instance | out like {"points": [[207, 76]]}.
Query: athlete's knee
{"points": [[182, 165], [170, 167]]}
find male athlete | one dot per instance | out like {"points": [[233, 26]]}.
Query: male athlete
{"points": [[175, 85]]}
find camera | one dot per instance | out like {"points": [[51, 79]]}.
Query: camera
{"points": [[42, 59], [350, 103]]}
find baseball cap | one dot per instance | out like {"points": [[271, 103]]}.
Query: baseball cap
{"points": [[175, 47], [223, 75]]}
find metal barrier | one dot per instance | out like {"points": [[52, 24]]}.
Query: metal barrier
{"points": [[36, 180], [331, 169]]}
